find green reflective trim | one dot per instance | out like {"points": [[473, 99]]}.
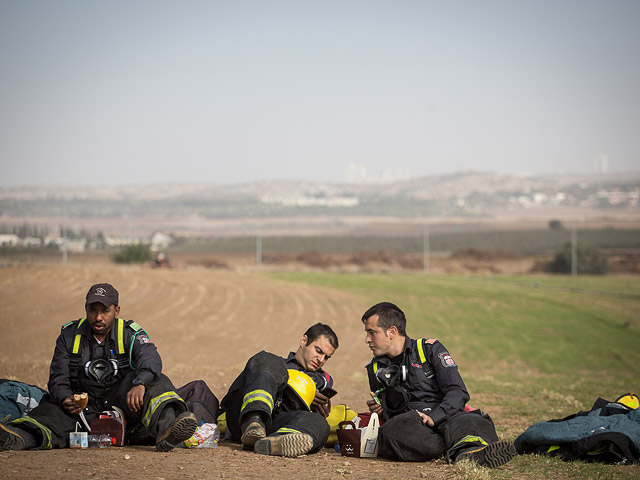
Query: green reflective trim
{"points": [[423, 357], [553, 447], [155, 402], [46, 433], [131, 362], [257, 396]]}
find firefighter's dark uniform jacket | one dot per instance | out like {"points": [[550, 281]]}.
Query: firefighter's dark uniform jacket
{"points": [[127, 346], [432, 381], [133, 360], [428, 381], [322, 379]]}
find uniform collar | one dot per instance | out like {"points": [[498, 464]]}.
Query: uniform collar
{"points": [[408, 346], [85, 330]]}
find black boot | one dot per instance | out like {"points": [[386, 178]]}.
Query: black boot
{"points": [[253, 428], [10, 439], [180, 428], [492, 456]]}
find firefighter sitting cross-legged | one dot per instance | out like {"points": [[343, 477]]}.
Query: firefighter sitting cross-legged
{"points": [[421, 396], [113, 361], [277, 406]]}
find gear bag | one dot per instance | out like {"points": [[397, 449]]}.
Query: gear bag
{"points": [[18, 398], [200, 401]]}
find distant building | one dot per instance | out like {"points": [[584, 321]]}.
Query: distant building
{"points": [[160, 241], [31, 242], [76, 245], [9, 239]]}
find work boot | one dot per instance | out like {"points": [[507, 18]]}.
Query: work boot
{"points": [[288, 445], [181, 429], [10, 439], [492, 456], [253, 429]]}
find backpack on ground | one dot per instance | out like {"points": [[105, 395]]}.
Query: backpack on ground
{"points": [[18, 398], [200, 401]]}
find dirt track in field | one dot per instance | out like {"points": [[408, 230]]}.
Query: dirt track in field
{"points": [[206, 324]]}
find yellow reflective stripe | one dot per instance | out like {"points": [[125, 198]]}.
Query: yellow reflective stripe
{"points": [[421, 354], [375, 367], [76, 341], [287, 430], [155, 402], [120, 336], [45, 431], [470, 439], [257, 396]]}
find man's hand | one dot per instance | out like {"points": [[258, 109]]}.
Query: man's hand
{"points": [[135, 398], [321, 404], [374, 407], [70, 406], [426, 419]]}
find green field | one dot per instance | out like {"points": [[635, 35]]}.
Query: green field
{"points": [[530, 348], [521, 241]]}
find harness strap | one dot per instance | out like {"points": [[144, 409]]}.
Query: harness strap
{"points": [[423, 358], [76, 341], [120, 336]]}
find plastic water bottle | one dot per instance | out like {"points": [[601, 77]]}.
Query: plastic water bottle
{"points": [[100, 441], [206, 436]]}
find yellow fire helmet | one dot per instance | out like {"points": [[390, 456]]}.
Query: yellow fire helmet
{"points": [[630, 400], [300, 391]]}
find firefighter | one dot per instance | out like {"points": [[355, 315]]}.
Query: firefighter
{"points": [[277, 406], [113, 361], [418, 391]]}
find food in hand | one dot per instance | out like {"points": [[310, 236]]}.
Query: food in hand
{"points": [[81, 399]]}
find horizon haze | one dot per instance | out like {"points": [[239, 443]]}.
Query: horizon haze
{"points": [[156, 92]]}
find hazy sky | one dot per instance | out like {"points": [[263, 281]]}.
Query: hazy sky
{"points": [[130, 92]]}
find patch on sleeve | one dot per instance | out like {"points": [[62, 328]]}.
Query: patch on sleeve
{"points": [[142, 338], [135, 326], [447, 360], [431, 341]]}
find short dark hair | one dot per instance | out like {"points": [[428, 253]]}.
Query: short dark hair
{"points": [[314, 331], [388, 315]]}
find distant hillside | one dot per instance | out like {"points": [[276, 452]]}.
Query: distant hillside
{"points": [[468, 194]]}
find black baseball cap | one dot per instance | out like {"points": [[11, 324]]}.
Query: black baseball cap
{"points": [[103, 293]]}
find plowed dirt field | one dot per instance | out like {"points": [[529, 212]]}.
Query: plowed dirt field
{"points": [[206, 324]]}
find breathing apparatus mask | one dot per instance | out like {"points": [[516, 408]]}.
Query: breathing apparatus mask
{"points": [[395, 396], [392, 375], [101, 370]]}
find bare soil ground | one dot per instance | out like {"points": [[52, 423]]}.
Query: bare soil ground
{"points": [[206, 324]]}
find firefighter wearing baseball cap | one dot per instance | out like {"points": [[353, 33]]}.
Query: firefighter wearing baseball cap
{"points": [[277, 406], [113, 361]]}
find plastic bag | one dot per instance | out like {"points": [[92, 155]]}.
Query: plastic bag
{"points": [[206, 436]]}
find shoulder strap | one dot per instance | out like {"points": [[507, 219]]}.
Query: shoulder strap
{"points": [[76, 342], [423, 353]]}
